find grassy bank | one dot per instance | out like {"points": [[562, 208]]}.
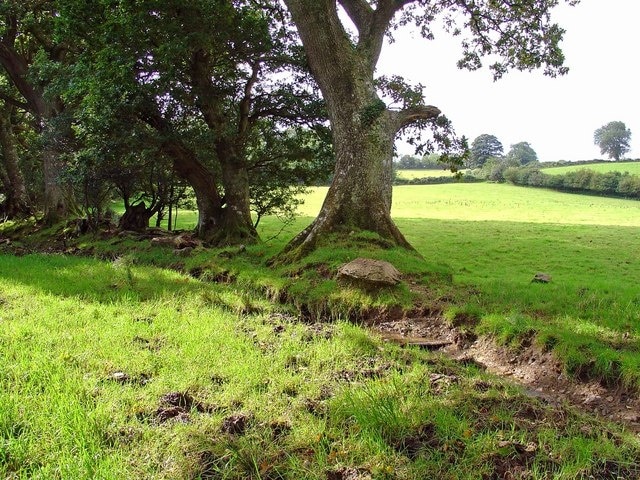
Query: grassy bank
{"points": [[490, 240], [632, 167], [496, 237], [118, 371]]}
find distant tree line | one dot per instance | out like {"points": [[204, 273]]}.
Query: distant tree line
{"points": [[567, 163], [463, 178], [579, 181], [411, 162]]}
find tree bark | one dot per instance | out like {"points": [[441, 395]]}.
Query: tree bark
{"points": [[17, 203], [237, 226], [193, 171], [135, 218]]}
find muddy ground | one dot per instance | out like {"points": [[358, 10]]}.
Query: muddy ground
{"points": [[538, 372]]}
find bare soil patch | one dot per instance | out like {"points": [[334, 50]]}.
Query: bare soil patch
{"points": [[538, 372]]}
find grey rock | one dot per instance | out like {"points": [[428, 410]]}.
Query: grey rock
{"points": [[370, 272], [541, 278]]}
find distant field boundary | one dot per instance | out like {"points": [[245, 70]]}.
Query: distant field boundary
{"points": [[617, 183], [583, 181], [466, 178], [567, 163]]}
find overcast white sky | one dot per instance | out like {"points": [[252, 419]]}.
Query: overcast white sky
{"points": [[556, 115]]}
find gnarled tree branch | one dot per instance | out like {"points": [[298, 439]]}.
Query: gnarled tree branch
{"points": [[413, 114], [12, 101], [360, 13], [372, 39]]}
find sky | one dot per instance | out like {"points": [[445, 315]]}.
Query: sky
{"points": [[557, 116]]}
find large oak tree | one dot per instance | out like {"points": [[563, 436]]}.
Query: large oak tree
{"points": [[613, 139], [205, 75], [514, 34]]}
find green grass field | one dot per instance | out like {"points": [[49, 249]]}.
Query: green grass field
{"points": [[121, 370], [112, 370], [481, 202], [411, 174], [495, 237], [632, 167]]}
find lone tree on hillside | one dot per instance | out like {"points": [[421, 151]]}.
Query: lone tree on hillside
{"points": [[613, 139], [522, 153], [364, 127], [484, 147]]}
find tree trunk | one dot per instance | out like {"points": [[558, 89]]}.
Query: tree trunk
{"points": [[204, 185], [135, 218], [360, 195], [363, 127], [5, 188], [17, 203], [208, 199], [54, 201], [43, 109], [237, 227], [187, 166], [363, 134]]}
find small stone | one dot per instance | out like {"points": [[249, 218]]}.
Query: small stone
{"points": [[120, 377], [541, 278], [609, 398]]}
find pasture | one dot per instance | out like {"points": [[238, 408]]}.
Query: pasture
{"points": [[496, 237], [423, 173], [121, 370], [631, 167]]}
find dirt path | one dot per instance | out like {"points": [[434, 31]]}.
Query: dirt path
{"points": [[539, 373]]}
